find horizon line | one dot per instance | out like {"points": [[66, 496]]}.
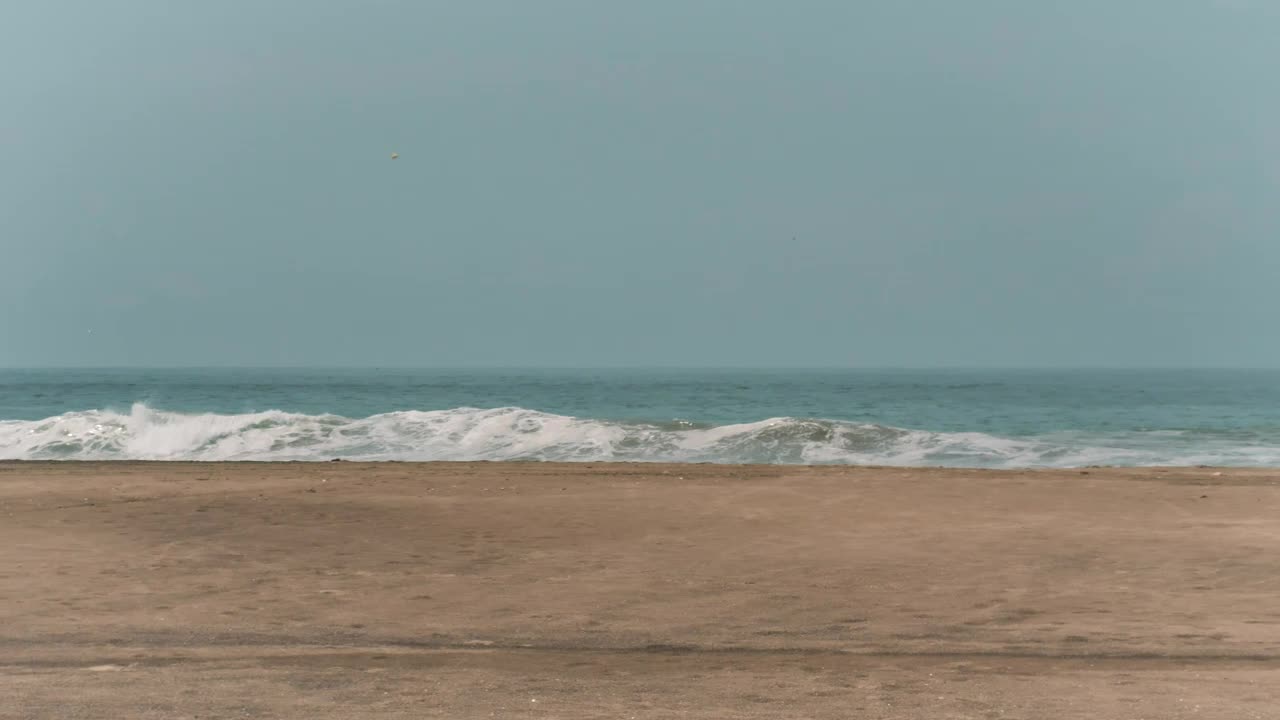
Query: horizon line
{"points": [[653, 367]]}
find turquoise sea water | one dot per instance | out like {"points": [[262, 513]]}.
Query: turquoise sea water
{"points": [[987, 418]]}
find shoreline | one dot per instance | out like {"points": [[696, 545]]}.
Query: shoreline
{"points": [[173, 589], [590, 464]]}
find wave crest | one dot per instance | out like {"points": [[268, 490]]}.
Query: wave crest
{"points": [[514, 433]]}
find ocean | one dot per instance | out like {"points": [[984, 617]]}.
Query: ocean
{"points": [[956, 418]]}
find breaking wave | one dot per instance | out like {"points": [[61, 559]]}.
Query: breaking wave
{"points": [[514, 433]]}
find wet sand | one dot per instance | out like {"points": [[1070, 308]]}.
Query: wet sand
{"points": [[344, 590]]}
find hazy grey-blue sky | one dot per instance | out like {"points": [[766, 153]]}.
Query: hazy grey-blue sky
{"points": [[662, 182]]}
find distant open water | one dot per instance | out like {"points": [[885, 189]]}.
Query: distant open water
{"points": [[961, 418]]}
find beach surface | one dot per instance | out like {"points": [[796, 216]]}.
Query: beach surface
{"points": [[348, 590]]}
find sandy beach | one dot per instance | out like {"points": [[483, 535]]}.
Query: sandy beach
{"points": [[346, 590]]}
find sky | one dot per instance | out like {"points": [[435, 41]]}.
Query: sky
{"points": [[658, 183]]}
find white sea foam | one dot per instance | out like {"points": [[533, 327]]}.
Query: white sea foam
{"points": [[520, 434]]}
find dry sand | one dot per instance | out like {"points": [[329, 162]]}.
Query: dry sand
{"points": [[343, 590]]}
